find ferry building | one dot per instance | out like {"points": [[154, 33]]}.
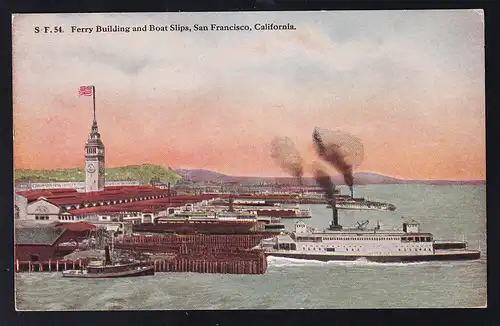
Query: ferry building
{"points": [[46, 206]]}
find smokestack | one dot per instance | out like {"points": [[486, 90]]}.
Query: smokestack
{"points": [[335, 217], [335, 222], [168, 186], [231, 209], [352, 192], [107, 256]]}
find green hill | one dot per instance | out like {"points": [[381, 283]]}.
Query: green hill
{"points": [[143, 173]]}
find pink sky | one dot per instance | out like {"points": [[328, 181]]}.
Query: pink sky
{"points": [[409, 85]]}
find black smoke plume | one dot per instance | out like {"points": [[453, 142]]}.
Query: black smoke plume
{"points": [[341, 150], [325, 182], [286, 155]]}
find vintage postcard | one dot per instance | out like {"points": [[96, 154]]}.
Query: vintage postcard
{"points": [[249, 160]]}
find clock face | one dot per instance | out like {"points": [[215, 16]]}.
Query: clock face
{"points": [[91, 168]]}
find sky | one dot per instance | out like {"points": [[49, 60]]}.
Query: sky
{"points": [[408, 84]]}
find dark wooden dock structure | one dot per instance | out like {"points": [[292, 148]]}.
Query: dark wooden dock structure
{"points": [[199, 253]]}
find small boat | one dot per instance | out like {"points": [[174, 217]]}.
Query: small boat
{"points": [[105, 269]]}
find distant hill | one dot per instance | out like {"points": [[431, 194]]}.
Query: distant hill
{"points": [[204, 175], [144, 173], [360, 178]]}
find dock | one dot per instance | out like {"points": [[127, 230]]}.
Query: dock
{"points": [[199, 253]]}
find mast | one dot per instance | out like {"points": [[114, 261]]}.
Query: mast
{"points": [[93, 99]]}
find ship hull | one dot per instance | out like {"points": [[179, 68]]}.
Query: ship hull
{"points": [[280, 213], [362, 208], [438, 256], [196, 227], [143, 271]]}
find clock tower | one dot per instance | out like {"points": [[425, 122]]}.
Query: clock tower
{"points": [[94, 160]]}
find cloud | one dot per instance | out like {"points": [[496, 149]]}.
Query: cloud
{"points": [[127, 64]]}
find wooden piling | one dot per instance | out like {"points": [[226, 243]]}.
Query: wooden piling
{"points": [[57, 265], [65, 266], [29, 266], [17, 265], [73, 264]]}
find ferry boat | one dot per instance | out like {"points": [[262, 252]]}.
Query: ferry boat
{"points": [[360, 203], [203, 219], [360, 242], [281, 211], [106, 269], [266, 208]]}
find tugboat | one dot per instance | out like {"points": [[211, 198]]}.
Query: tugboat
{"points": [[385, 246], [106, 269]]}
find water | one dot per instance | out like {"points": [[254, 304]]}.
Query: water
{"points": [[447, 211]]}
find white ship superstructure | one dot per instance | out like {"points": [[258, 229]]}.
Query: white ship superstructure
{"points": [[354, 240]]}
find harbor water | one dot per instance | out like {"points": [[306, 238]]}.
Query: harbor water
{"points": [[450, 212]]}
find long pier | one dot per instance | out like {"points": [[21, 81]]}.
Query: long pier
{"points": [[49, 265], [225, 265]]}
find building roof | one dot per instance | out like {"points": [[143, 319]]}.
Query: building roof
{"points": [[35, 194], [145, 206], [72, 197], [76, 226], [38, 235]]}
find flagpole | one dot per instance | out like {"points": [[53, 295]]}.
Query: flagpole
{"points": [[93, 98]]}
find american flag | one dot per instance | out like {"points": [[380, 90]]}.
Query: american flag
{"points": [[85, 90]]}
